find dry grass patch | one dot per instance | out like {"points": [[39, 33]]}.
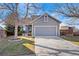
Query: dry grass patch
{"points": [[29, 42], [73, 39], [14, 48]]}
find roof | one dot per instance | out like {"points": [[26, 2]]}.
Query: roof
{"points": [[64, 26], [35, 16], [1, 28], [26, 21], [54, 18], [43, 15], [11, 19]]}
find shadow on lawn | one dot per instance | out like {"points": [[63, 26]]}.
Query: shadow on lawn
{"points": [[59, 51], [14, 48], [32, 44], [31, 53]]}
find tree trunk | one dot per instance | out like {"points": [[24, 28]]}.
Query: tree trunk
{"points": [[16, 32], [16, 21]]}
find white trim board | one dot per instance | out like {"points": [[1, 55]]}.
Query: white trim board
{"points": [[45, 26]]}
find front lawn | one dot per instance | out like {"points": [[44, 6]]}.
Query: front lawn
{"points": [[16, 48], [28, 42], [73, 39]]}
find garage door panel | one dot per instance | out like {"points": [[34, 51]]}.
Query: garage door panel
{"points": [[45, 31]]}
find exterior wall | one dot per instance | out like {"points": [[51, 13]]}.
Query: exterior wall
{"points": [[58, 29], [50, 22], [25, 30], [28, 29], [2, 34], [67, 32], [40, 22]]}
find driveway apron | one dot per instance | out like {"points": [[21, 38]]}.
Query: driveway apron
{"points": [[54, 46]]}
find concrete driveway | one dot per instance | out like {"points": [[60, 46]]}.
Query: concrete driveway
{"points": [[54, 46]]}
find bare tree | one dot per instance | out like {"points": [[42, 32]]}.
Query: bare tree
{"points": [[70, 11], [13, 13], [32, 9]]}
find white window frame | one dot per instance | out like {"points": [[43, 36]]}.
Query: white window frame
{"points": [[45, 18]]}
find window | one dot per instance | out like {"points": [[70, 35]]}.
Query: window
{"points": [[45, 18]]}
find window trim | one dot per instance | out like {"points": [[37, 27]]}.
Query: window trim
{"points": [[45, 18]]}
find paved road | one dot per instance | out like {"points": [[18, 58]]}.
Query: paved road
{"points": [[55, 46]]}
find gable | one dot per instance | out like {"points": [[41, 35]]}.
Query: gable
{"points": [[50, 21]]}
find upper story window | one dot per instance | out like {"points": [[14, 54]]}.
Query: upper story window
{"points": [[45, 18]]}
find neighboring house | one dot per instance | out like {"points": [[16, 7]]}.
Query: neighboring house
{"points": [[76, 31], [2, 32], [66, 30]]}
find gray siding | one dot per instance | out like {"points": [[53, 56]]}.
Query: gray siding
{"points": [[51, 22], [40, 22]]}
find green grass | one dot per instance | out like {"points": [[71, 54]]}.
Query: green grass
{"points": [[14, 48], [73, 39], [28, 42]]}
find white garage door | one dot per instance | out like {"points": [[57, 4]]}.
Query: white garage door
{"points": [[45, 31]]}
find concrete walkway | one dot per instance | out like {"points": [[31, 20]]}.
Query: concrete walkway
{"points": [[55, 46]]}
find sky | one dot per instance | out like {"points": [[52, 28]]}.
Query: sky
{"points": [[54, 6], [47, 8]]}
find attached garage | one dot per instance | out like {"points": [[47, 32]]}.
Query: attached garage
{"points": [[45, 25], [45, 31]]}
